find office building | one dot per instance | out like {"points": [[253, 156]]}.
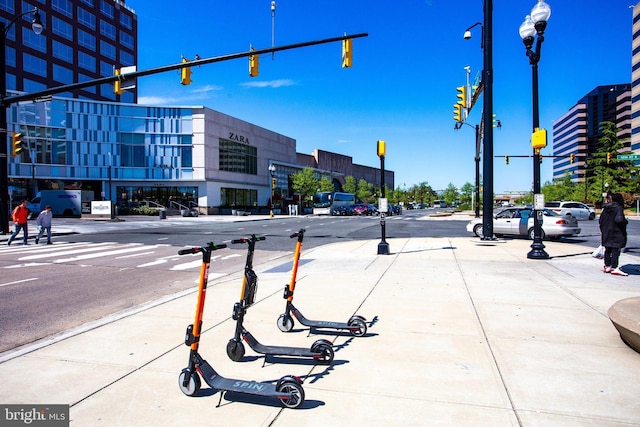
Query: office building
{"points": [[578, 131], [82, 40]]}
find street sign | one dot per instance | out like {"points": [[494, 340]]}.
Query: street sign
{"points": [[628, 157]]}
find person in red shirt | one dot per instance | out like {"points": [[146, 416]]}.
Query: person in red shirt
{"points": [[19, 216]]}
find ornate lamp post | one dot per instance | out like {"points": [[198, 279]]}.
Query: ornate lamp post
{"points": [[37, 27], [534, 25], [272, 172]]}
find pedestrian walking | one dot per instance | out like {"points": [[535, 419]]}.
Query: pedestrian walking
{"points": [[19, 216], [44, 224], [613, 228]]}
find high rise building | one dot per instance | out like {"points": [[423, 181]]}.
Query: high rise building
{"points": [[578, 131], [82, 40], [635, 80]]}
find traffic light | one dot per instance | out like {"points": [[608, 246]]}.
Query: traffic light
{"points": [[496, 122], [540, 157], [457, 112], [185, 73], [117, 85], [506, 160], [253, 65], [382, 148], [347, 53], [608, 158], [572, 158], [273, 183], [462, 94], [18, 144]]}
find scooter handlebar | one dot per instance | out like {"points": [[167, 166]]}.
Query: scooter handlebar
{"points": [[211, 246], [246, 239], [298, 233]]}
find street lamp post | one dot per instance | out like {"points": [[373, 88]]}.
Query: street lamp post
{"points": [[533, 25], [37, 27], [272, 172]]}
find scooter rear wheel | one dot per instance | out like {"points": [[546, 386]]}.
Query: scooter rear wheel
{"points": [[285, 323], [193, 382], [360, 324], [235, 350], [296, 391], [326, 353]]}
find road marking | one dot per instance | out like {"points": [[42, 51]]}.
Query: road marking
{"points": [[188, 265], [53, 252], [103, 254], [18, 281]]}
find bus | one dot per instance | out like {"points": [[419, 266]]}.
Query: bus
{"points": [[439, 204], [325, 201]]}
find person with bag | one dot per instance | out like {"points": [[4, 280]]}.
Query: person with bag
{"points": [[44, 224], [20, 215], [613, 227]]}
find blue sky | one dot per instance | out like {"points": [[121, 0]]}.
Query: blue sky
{"points": [[402, 85]]}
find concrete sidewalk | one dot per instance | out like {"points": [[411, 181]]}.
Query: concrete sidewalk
{"points": [[461, 332]]}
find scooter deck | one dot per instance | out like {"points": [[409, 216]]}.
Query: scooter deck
{"points": [[218, 382], [319, 323], [274, 350]]}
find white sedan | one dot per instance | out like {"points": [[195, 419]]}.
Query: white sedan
{"points": [[519, 222]]}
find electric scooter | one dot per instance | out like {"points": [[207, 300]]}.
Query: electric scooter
{"points": [[356, 325], [288, 389], [321, 350]]}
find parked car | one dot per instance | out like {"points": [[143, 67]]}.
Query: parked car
{"points": [[342, 210], [592, 209], [577, 209], [519, 222], [361, 209]]}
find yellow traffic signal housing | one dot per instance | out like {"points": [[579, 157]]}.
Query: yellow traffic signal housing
{"points": [[506, 160], [253, 65], [382, 148], [608, 158], [462, 94], [185, 73], [273, 183], [540, 157], [117, 89], [539, 138], [457, 112], [17, 144], [572, 158], [347, 53]]}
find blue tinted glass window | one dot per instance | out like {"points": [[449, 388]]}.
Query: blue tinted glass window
{"points": [[63, 6], [86, 18], [87, 40], [33, 40], [62, 51], [62, 74], [107, 30], [107, 9], [61, 28], [34, 65], [107, 49], [86, 61], [126, 39]]}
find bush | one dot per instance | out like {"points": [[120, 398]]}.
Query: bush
{"points": [[144, 210]]}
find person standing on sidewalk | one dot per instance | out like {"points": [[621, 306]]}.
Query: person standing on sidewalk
{"points": [[44, 224], [20, 215], [613, 227]]}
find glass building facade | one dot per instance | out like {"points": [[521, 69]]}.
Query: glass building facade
{"points": [[82, 40]]}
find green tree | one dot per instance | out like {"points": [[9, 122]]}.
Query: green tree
{"points": [[466, 196], [325, 184], [364, 191], [451, 194], [350, 185], [305, 183]]}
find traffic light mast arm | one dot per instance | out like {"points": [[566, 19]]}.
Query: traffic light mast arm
{"points": [[111, 79]]}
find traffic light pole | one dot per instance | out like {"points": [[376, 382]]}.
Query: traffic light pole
{"points": [[44, 94], [487, 118]]}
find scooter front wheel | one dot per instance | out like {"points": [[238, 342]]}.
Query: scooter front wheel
{"points": [[296, 392], [285, 323], [189, 382], [358, 327], [235, 350]]}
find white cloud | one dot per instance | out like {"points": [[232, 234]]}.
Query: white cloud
{"points": [[207, 89], [272, 83], [156, 100]]}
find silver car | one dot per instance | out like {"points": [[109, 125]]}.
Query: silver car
{"points": [[519, 222], [577, 209]]}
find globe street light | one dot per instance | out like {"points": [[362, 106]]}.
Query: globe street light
{"points": [[37, 27], [534, 25]]}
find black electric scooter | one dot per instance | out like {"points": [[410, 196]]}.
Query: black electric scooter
{"points": [[321, 350], [288, 389], [356, 325]]}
